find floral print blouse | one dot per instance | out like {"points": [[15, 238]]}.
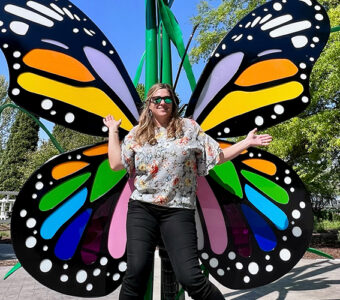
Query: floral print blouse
{"points": [[166, 173]]}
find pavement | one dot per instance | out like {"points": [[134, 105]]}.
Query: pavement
{"points": [[309, 279]]}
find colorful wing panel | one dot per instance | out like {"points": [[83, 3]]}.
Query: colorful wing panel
{"points": [[63, 68], [69, 223], [258, 75], [255, 220]]}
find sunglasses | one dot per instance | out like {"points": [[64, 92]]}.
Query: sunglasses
{"points": [[158, 99]]}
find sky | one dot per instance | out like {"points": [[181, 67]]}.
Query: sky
{"points": [[123, 23]]}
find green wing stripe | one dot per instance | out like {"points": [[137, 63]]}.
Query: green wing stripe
{"points": [[270, 188], [226, 176], [61, 192], [105, 180]]}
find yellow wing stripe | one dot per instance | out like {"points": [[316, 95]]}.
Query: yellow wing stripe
{"points": [[266, 71], [58, 63], [90, 99], [240, 102]]}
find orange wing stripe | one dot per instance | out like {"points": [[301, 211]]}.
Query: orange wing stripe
{"points": [[67, 168], [97, 150], [261, 165], [266, 71], [58, 63]]}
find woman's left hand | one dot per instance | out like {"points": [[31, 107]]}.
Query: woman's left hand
{"points": [[258, 140]]}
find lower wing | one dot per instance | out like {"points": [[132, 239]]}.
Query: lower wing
{"points": [[68, 223], [254, 220]]}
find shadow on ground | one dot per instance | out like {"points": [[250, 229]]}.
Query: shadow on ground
{"points": [[303, 278]]}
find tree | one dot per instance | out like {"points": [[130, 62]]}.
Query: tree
{"points": [[68, 140], [216, 22], [309, 142], [7, 116], [22, 141]]}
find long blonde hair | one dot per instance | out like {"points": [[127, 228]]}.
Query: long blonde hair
{"points": [[145, 132]]}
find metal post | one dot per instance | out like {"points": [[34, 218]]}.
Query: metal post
{"points": [[150, 45]]}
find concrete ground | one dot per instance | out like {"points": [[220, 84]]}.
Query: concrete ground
{"points": [[309, 279]]}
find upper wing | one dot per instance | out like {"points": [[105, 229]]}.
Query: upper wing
{"points": [[255, 222], [258, 75], [63, 68], [69, 223]]}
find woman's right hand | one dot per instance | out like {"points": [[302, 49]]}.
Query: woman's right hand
{"points": [[111, 123]]}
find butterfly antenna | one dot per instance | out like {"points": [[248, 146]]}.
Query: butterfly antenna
{"points": [[185, 53]]}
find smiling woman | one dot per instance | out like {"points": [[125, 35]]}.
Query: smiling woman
{"points": [[161, 110]]}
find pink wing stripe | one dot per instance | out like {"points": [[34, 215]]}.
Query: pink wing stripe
{"points": [[213, 217], [117, 233]]}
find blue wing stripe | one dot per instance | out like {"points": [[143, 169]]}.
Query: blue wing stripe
{"points": [[69, 240], [52, 224], [265, 206], [263, 234]]}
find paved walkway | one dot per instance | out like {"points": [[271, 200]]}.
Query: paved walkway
{"points": [[310, 279]]}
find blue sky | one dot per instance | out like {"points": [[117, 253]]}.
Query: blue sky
{"points": [[123, 22]]}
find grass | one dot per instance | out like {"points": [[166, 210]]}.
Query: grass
{"points": [[5, 235]]}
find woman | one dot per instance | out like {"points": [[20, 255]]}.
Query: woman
{"points": [[165, 154]]}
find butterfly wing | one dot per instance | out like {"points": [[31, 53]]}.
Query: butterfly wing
{"points": [[254, 220], [68, 223], [258, 76], [63, 68], [254, 217]]}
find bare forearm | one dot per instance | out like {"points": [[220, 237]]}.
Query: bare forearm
{"points": [[251, 140], [114, 150], [233, 151]]}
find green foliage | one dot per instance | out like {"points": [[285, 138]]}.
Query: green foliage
{"points": [[216, 22], [22, 142], [310, 142], [325, 78], [70, 139], [326, 225], [6, 116], [328, 215], [38, 158], [141, 91], [67, 138]]}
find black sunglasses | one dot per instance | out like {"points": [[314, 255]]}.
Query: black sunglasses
{"points": [[158, 99]]}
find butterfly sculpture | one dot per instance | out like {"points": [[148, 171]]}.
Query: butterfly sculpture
{"points": [[254, 218]]}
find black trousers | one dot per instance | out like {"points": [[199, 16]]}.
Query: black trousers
{"points": [[145, 223]]}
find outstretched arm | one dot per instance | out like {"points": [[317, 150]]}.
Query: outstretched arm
{"points": [[114, 145], [251, 140]]}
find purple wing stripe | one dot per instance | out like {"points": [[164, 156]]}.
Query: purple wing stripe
{"points": [[110, 74], [219, 77]]}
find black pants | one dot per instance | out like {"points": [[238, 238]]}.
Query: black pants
{"points": [[145, 222]]}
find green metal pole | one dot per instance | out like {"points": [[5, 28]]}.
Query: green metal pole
{"points": [[169, 285], [151, 64], [166, 56], [151, 75], [166, 61]]}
